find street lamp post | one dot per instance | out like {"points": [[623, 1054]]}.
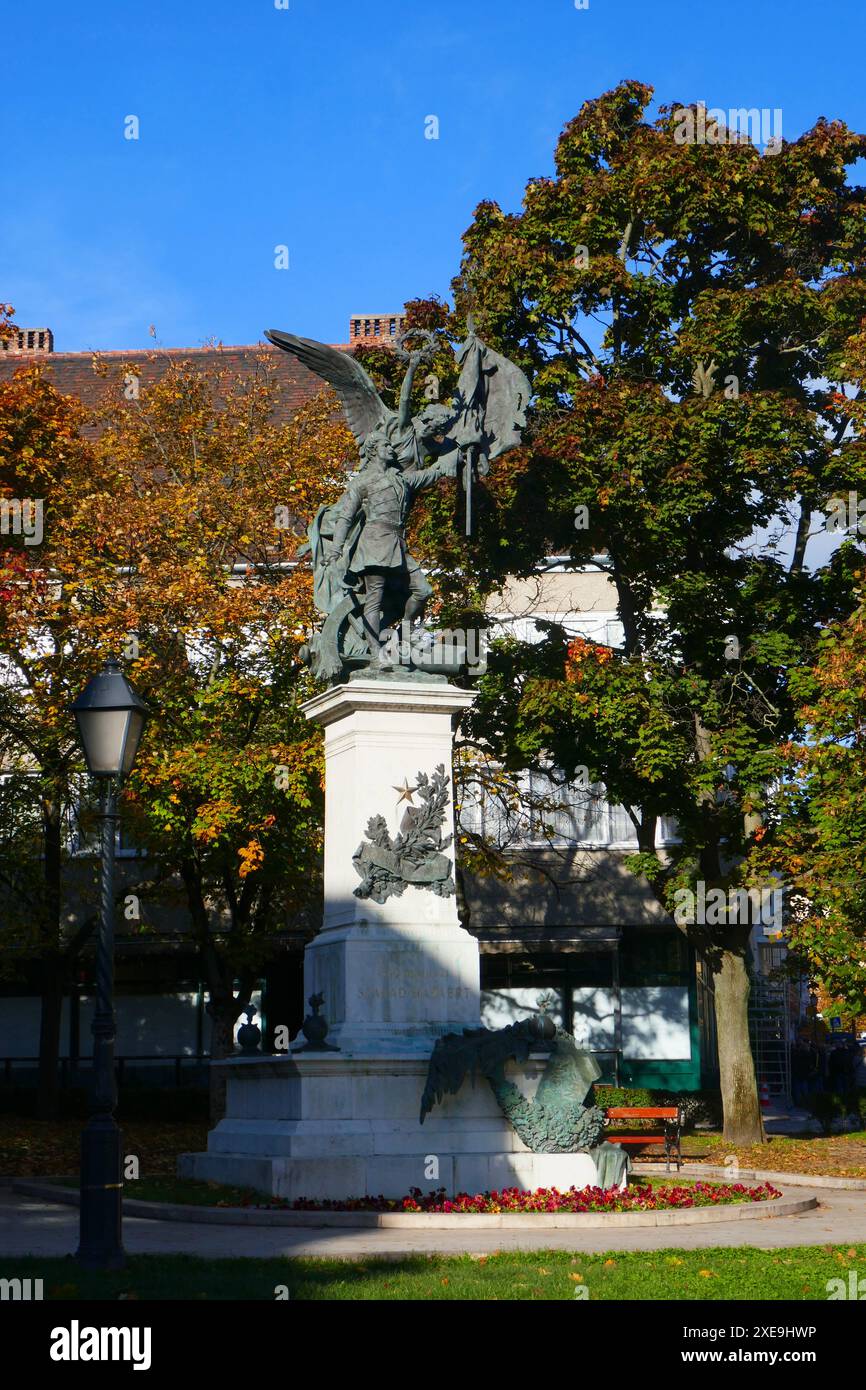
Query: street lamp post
{"points": [[110, 717]]}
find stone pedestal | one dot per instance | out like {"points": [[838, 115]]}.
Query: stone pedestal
{"points": [[394, 976], [322, 1125]]}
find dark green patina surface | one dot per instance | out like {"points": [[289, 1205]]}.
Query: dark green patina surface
{"points": [[415, 856], [556, 1120]]}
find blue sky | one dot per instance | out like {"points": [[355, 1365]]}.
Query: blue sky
{"points": [[304, 127]]}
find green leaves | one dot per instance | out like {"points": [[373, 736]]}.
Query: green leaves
{"points": [[818, 838], [682, 308]]}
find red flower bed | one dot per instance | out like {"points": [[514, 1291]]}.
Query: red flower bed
{"points": [[550, 1199]]}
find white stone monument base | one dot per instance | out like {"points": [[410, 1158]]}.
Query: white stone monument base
{"points": [[393, 977], [333, 1126]]}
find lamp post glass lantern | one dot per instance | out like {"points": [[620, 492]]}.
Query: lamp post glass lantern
{"points": [[110, 717]]}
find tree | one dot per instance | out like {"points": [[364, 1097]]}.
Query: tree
{"points": [[227, 791], [816, 826], [682, 309], [47, 475], [7, 325], [168, 539]]}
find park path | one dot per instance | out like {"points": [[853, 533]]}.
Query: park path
{"points": [[29, 1226]]}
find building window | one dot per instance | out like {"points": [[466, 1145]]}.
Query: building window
{"points": [[653, 957], [539, 809], [772, 959]]}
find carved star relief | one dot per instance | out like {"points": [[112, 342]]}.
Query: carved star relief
{"points": [[405, 792]]}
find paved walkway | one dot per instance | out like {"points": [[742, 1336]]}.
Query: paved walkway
{"points": [[32, 1227], [783, 1119]]}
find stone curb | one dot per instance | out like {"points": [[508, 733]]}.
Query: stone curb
{"points": [[691, 1170], [374, 1220]]}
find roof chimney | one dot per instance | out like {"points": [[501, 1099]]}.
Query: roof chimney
{"points": [[375, 328], [29, 340]]}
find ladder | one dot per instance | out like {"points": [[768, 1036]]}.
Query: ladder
{"points": [[770, 1032]]}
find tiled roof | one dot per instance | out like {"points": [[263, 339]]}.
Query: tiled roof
{"points": [[74, 373]]}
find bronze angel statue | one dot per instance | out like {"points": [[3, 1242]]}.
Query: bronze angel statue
{"points": [[365, 582], [561, 1117]]}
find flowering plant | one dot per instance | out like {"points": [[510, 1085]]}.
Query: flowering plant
{"points": [[550, 1199]]}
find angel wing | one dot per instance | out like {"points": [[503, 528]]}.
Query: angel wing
{"points": [[569, 1073], [484, 1050], [362, 405]]}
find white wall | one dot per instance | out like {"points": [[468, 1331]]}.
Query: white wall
{"points": [[655, 1021], [594, 1026], [499, 1007], [163, 1024], [655, 1018]]}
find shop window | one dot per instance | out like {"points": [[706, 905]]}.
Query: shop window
{"points": [[653, 958]]}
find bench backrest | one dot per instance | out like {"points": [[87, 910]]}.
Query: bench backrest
{"points": [[646, 1112]]}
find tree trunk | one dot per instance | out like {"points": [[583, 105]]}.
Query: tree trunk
{"points": [[53, 965], [48, 1082], [742, 1111], [726, 952]]}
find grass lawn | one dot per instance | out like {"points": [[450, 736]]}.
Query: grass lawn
{"points": [[38, 1148], [799, 1273], [839, 1155], [187, 1191]]}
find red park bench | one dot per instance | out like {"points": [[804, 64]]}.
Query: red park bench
{"points": [[669, 1134]]}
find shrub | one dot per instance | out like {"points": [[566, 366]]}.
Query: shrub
{"points": [[698, 1107], [826, 1107], [614, 1096], [855, 1104]]}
